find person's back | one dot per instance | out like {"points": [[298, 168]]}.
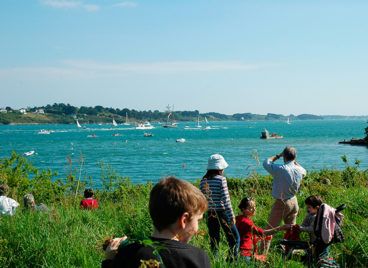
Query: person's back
{"points": [[286, 178], [7, 205], [89, 202], [217, 193], [170, 253]]}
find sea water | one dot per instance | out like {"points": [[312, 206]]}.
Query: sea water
{"points": [[128, 153]]}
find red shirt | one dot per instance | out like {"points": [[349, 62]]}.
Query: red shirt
{"points": [[248, 232], [89, 203]]}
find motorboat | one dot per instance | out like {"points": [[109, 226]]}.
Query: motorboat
{"points": [[30, 153], [44, 132], [266, 135], [148, 135], [144, 126]]}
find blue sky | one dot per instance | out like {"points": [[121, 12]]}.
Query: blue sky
{"points": [[227, 56]]}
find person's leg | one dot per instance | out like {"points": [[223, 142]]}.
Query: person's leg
{"points": [[321, 251], [232, 236], [274, 220], [291, 210], [213, 223]]}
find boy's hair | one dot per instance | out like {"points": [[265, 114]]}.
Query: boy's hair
{"points": [[4, 189], [246, 203], [314, 201], [171, 198], [88, 193]]}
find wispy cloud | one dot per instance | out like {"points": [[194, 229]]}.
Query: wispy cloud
{"points": [[70, 4], [126, 4], [82, 68]]}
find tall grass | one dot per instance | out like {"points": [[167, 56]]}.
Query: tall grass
{"points": [[69, 237]]}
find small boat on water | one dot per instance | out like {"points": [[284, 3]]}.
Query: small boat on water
{"points": [[92, 136], [126, 120], [169, 124], [144, 126], [181, 140], [116, 135], [44, 132], [147, 135], [288, 121], [266, 135], [30, 153], [78, 125], [114, 123]]}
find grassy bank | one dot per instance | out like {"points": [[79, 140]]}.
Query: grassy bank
{"points": [[69, 237]]}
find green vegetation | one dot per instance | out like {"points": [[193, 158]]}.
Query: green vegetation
{"points": [[65, 113], [69, 237]]}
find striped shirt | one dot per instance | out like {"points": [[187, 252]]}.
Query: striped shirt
{"points": [[217, 194]]}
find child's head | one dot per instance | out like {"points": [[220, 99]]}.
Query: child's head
{"points": [[4, 189], [216, 166], [248, 206], [313, 203], [29, 201], [178, 206], [88, 193]]}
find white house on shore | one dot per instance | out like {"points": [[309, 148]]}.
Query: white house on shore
{"points": [[40, 111], [3, 110], [23, 111]]}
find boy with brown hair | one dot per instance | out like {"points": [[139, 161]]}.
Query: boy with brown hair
{"points": [[176, 207], [312, 203]]}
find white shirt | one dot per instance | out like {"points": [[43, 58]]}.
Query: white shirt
{"points": [[286, 178], [7, 206]]}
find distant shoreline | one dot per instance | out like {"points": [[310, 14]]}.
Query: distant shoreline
{"points": [[107, 120], [60, 113]]}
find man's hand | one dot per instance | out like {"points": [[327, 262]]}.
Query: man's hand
{"points": [[276, 157]]}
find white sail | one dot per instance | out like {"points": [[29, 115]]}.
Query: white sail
{"points": [[198, 124], [205, 119], [126, 120], [78, 125], [114, 123], [288, 121]]}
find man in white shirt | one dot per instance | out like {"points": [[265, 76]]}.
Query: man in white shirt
{"points": [[7, 205], [286, 183]]}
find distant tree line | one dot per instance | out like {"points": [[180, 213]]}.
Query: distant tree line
{"points": [[67, 111]]}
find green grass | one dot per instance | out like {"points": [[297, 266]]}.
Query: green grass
{"points": [[69, 237]]}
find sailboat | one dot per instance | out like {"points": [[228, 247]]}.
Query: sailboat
{"points": [[78, 125], [170, 124], [198, 124], [207, 127], [126, 120], [288, 121], [197, 127], [114, 122]]}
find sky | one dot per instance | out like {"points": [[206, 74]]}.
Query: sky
{"points": [[258, 56]]}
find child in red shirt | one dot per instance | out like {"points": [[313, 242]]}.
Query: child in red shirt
{"points": [[89, 202], [250, 234]]}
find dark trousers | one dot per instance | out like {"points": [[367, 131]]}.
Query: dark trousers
{"points": [[217, 220]]}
